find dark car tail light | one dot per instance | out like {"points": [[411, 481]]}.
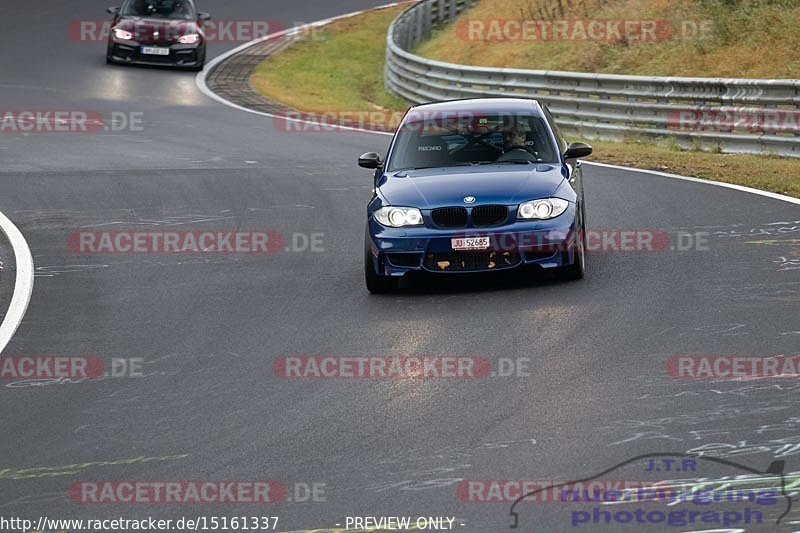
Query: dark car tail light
{"points": [[449, 217], [489, 215]]}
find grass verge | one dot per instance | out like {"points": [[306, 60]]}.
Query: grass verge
{"points": [[706, 38], [341, 70]]}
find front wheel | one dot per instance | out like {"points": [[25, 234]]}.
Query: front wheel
{"points": [[576, 270], [377, 284], [201, 55]]}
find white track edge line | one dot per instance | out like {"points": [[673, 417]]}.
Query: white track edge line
{"points": [[741, 188], [23, 283]]}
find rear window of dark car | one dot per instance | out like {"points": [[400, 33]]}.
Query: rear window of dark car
{"points": [[159, 9]]}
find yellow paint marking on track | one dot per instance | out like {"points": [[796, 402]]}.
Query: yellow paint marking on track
{"points": [[66, 470], [777, 242]]}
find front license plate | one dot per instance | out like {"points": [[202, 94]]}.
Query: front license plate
{"points": [[155, 51], [470, 243]]}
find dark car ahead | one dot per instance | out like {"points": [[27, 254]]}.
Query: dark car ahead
{"points": [[483, 185], [157, 32]]}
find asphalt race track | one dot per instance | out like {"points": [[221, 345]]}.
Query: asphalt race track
{"points": [[208, 327]]}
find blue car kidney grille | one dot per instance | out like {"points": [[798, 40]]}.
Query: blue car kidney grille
{"points": [[450, 217]]}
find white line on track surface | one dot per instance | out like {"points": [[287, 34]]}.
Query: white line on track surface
{"points": [[23, 283]]}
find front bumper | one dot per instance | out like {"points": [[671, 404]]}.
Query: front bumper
{"points": [[180, 55], [544, 243]]}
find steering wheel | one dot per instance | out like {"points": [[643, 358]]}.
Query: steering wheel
{"points": [[518, 152]]}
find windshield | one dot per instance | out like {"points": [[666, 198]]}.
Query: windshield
{"points": [[469, 139], [159, 9]]}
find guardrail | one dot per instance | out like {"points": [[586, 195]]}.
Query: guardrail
{"points": [[726, 114]]}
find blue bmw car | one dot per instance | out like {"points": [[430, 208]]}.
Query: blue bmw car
{"points": [[481, 185]]}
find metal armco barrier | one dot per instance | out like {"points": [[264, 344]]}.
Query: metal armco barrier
{"points": [[727, 114]]}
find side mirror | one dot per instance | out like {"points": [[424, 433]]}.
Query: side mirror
{"points": [[203, 16], [577, 150], [112, 10], [370, 160]]}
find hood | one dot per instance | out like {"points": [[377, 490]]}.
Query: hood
{"points": [[144, 29], [490, 184]]}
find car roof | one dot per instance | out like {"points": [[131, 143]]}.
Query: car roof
{"points": [[483, 105]]}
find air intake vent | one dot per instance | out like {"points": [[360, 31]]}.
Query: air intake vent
{"points": [[470, 261]]}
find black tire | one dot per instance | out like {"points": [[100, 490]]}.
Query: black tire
{"points": [[576, 270], [377, 284], [202, 59]]}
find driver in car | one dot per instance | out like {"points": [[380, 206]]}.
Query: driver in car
{"points": [[514, 147]]}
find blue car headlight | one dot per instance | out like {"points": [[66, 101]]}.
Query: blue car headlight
{"points": [[398, 217], [542, 209]]}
